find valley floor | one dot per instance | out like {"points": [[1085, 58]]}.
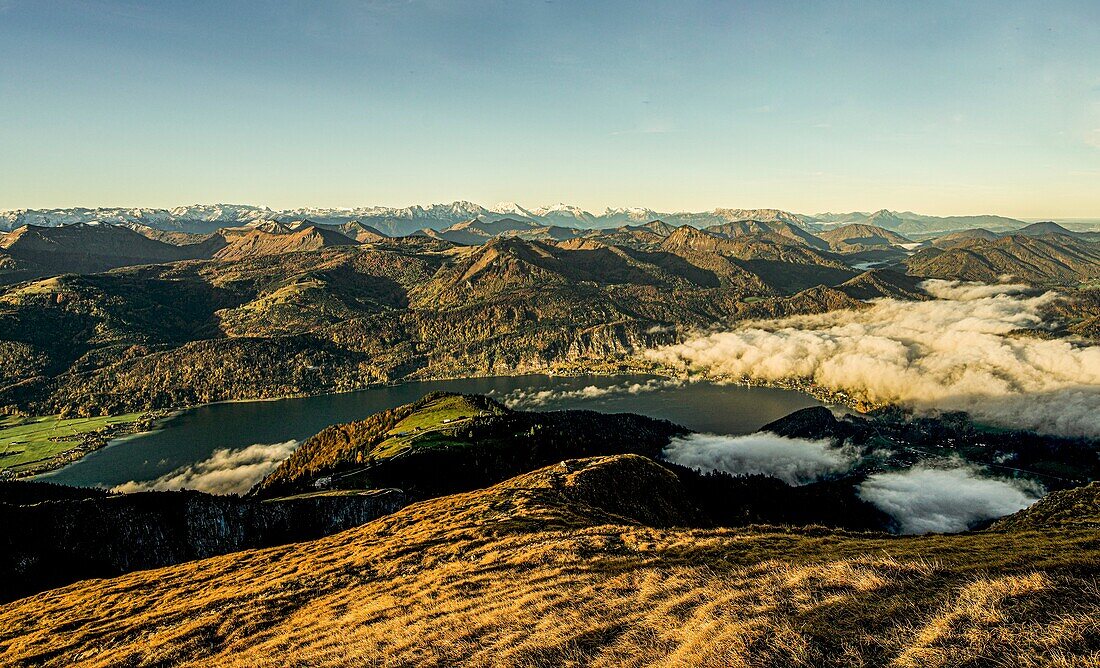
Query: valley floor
{"points": [[32, 445]]}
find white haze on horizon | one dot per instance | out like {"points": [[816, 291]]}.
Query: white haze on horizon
{"points": [[950, 353], [226, 471]]}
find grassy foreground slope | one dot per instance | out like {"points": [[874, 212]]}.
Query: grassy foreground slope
{"points": [[580, 564]]}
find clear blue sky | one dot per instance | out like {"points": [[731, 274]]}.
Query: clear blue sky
{"points": [[952, 107]]}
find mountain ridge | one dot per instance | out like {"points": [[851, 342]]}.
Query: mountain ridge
{"points": [[400, 221]]}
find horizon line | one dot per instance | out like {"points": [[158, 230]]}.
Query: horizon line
{"points": [[593, 212]]}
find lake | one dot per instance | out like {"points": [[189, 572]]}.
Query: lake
{"points": [[195, 434]]}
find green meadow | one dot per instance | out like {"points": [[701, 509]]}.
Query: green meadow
{"points": [[25, 441]]}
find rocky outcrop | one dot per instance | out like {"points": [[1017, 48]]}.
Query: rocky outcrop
{"points": [[51, 543]]}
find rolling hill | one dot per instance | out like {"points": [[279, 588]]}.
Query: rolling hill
{"points": [[782, 263], [857, 237], [954, 238], [477, 231], [1033, 230], [1050, 227], [778, 228], [1046, 259], [646, 236], [361, 232], [87, 248], [907, 222], [879, 283], [278, 239]]}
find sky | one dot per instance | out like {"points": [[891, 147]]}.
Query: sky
{"points": [[936, 107]]}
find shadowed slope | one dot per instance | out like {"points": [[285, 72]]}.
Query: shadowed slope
{"points": [[53, 542], [883, 283], [85, 248], [849, 238], [778, 228], [361, 232]]}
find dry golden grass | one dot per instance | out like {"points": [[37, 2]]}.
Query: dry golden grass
{"points": [[527, 574]]}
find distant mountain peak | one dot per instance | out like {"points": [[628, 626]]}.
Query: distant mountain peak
{"points": [[1044, 227], [401, 221], [509, 207]]}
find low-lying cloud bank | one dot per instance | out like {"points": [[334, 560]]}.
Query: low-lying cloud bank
{"points": [[795, 461], [951, 353], [224, 472], [924, 499], [520, 399]]}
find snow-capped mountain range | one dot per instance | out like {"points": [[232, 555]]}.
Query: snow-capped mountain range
{"points": [[403, 221]]}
